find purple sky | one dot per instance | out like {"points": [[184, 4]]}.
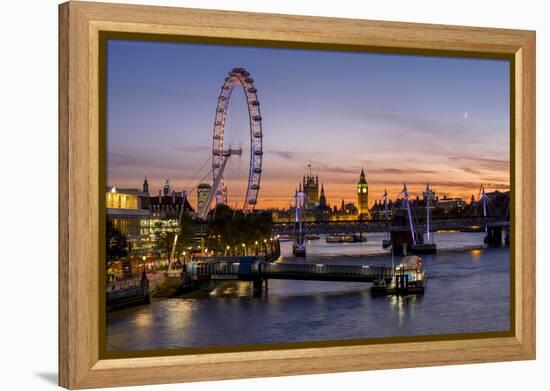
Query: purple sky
{"points": [[413, 119]]}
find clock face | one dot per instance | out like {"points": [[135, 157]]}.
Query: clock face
{"points": [[358, 190], [364, 189]]}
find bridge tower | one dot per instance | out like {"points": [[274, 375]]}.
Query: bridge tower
{"points": [[386, 242], [493, 235], [299, 244], [410, 240], [426, 246], [428, 193]]}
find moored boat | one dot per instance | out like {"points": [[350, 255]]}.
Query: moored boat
{"points": [[345, 238], [312, 237], [409, 278]]}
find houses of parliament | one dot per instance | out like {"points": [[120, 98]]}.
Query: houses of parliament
{"points": [[316, 207]]}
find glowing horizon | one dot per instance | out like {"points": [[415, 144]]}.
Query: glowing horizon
{"points": [[403, 118]]}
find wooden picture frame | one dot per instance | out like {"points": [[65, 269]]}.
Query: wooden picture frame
{"points": [[80, 190]]}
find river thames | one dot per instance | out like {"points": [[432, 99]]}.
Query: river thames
{"points": [[467, 291]]}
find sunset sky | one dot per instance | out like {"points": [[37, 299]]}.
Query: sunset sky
{"points": [[402, 118]]}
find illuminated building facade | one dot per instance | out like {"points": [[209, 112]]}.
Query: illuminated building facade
{"points": [[363, 197], [310, 186], [169, 205], [122, 198], [317, 207], [140, 217], [127, 210]]}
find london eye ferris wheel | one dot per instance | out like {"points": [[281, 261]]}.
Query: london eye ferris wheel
{"points": [[236, 144]]}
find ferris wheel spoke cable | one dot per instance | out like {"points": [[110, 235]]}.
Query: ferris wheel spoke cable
{"points": [[197, 173]]}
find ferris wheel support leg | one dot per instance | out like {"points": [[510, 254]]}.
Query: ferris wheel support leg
{"points": [[213, 190]]}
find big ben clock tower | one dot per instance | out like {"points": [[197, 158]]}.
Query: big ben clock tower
{"points": [[363, 197]]}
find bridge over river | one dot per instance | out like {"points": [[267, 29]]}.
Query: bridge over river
{"points": [[493, 226], [257, 270], [357, 226]]}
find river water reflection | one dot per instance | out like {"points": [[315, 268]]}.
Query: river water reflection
{"points": [[467, 291]]}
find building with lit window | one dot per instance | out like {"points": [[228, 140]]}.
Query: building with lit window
{"points": [[363, 197], [310, 186], [162, 206], [448, 204], [127, 210]]}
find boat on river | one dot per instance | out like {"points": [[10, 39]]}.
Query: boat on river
{"points": [[409, 278], [345, 238], [312, 237]]}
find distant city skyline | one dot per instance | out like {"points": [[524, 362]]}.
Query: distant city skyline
{"points": [[402, 118]]}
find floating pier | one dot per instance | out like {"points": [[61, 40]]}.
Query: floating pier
{"points": [[408, 278], [128, 293]]}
